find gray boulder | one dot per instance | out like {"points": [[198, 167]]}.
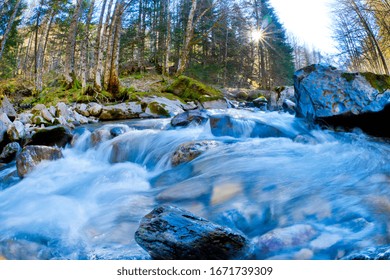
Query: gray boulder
{"points": [[327, 95], [82, 109], [184, 119], [16, 131], [261, 103], [3, 131], [94, 109], [171, 233], [191, 150], [31, 156], [7, 108], [9, 152], [120, 111]]}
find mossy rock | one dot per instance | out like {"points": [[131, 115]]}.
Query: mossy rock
{"points": [[380, 82], [350, 77], [190, 89], [158, 109]]}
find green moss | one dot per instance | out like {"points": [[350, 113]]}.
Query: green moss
{"points": [[190, 89], [158, 109], [349, 76], [379, 82]]}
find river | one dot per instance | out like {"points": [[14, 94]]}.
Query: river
{"points": [[88, 204]]}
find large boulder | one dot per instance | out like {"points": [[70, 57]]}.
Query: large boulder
{"points": [[191, 150], [7, 108], [54, 136], [185, 118], [3, 131], [327, 95], [31, 156], [171, 233], [190, 89]]}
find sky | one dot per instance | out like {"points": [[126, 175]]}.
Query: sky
{"points": [[309, 20]]}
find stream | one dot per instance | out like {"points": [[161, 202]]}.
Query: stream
{"points": [[88, 204]]}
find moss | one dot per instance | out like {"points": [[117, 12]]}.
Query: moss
{"points": [[191, 89], [158, 109], [380, 82], [349, 76]]}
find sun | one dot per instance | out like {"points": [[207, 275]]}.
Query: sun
{"points": [[257, 35]]}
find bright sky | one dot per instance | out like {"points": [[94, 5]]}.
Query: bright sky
{"points": [[309, 20]]}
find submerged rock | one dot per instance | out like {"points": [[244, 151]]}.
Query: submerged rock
{"points": [[378, 253], [184, 119], [225, 125], [31, 156], [171, 233], [54, 136], [9, 152], [330, 96], [191, 150], [284, 238]]}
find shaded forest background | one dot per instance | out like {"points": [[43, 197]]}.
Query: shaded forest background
{"points": [[232, 43]]}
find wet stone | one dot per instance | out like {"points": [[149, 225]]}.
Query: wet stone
{"points": [[171, 233]]}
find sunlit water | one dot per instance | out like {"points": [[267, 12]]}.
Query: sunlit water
{"points": [[88, 204]]}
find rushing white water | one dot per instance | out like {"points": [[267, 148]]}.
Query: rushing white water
{"points": [[87, 205]]}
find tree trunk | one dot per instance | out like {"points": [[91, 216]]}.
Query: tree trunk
{"points": [[113, 81], [9, 27], [182, 64], [98, 55], [167, 40], [85, 49], [69, 73]]}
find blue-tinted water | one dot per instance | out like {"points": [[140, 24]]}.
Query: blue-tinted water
{"points": [[306, 194]]}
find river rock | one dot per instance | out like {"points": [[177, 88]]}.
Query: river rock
{"points": [[261, 103], [31, 156], [9, 152], [16, 131], [374, 253], [63, 110], [120, 111], [284, 238], [191, 150], [171, 233], [225, 125], [7, 108], [193, 116], [4, 119], [215, 104], [82, 109], [53, 136], [100, 135], [3, 131], [327, 95], [94, 109], [156, 110], [288, 106]]}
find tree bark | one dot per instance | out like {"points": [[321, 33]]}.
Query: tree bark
{"points": [[98, 55], [85, 49], [182, 64], [69, 73], [113, 81]]}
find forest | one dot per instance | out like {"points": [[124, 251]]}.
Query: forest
{"points": [[235, 43]]}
